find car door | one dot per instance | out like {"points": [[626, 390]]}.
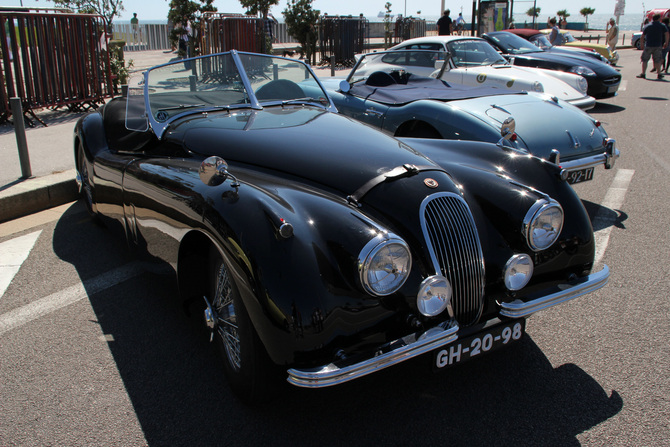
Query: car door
{"points": [[367, 111]]}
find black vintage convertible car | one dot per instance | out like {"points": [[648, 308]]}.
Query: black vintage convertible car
{"points": [[603, 79], [317, 245]]}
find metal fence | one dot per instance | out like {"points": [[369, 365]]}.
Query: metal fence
{"points": [[341, 38], [53, 59], [224, 32], [145, 37], [408, 28]]}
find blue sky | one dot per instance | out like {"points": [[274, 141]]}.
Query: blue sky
{"points": [[158, 9]]}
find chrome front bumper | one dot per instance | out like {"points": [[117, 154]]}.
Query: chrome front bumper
{"points": [[607, 158], [417, 344], [566, 292], [585, 103]]}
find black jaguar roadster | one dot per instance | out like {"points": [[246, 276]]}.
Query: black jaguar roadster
{"points": [[320, 249]]}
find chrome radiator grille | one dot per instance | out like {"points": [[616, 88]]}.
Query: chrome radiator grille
{"points": [[453, 242]]}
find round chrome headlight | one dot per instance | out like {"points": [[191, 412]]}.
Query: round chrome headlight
{"points": [[434, 296], [538, 87], [384, 265], [518, 271], [543, 224], [583, 84]]}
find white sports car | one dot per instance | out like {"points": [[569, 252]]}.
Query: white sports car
{"points": [[473, 61]]}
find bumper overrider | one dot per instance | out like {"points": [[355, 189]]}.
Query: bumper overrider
{"points": [[444, 334], [607, 158]]}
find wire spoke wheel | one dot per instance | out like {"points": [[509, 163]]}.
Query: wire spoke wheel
{"points": [[250, 372], [227, 319]]}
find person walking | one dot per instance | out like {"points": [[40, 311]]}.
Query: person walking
{"points": [[666, 52], [135, 25], [555, 36], [654, 40], [612, 34], [444, 24], [460, 23]]}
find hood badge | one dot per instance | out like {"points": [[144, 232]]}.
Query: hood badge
{"points": [[429, 182]]}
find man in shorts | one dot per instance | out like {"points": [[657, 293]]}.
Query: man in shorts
{"points": [[654, 40]]}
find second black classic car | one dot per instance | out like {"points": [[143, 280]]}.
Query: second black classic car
{"points": [[321, 249], [603, 79]]}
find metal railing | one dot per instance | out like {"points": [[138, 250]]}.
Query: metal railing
{"points": [[53, 59], [341, 38], [146, 37], [224, 32]]}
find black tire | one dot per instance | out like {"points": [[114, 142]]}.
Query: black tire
{"points": [[87, 191], [637, 44], [251, 374]]}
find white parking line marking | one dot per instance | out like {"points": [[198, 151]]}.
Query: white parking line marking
{"points": [[622, 86], [613, 201], [36, 309], [12, 254]]}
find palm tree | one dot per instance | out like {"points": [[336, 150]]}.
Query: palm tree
{"points": [[534, 12], [586, 12], [563, 14]]}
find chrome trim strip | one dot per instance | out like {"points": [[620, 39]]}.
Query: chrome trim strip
{"points": [[412, 346], [588, 284]]}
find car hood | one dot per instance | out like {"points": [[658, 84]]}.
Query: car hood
{"points": [[297, 142], [573, 132], [507, 76], [567, 60]]}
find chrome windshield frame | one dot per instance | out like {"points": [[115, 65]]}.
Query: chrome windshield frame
{"points": [[159, 128]]}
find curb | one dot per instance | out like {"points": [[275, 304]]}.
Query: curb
{"points": [[37, 194]]}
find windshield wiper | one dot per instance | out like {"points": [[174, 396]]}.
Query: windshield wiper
{"points": [[179, 107]]}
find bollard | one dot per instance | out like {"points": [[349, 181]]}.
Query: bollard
{"points": [[20, 131], [332, 66]]}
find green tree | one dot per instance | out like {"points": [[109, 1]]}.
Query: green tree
{"points": [[108, 9], [387, 25], [187, 11], [586, 12], [534, 13], [301, 20], [563, 14], [261, 7]]}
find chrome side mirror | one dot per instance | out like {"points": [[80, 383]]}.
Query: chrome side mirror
{"points": [[345, 86], [214, 171]]}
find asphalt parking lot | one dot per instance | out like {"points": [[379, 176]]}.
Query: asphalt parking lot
{"points": [[95, 348]]}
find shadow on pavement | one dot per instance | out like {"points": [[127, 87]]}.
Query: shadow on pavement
{"points": [[174, 379], [604, 107], [603, 217]]}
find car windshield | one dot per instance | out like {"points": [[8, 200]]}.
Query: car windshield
{"points": [[219, 82], [396, 63], [541, 41], [513, 44], [567, 37], [474, 53]]}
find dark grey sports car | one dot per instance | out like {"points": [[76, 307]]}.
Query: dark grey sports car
{"points": [[320, 249], [602, 78]]}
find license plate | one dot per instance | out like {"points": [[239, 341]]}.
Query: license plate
{"points": [[581, 175], [476, 345], [612, 89]]}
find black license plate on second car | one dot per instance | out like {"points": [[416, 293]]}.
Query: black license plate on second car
{"points": [[476, 345], [581, 175]]}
